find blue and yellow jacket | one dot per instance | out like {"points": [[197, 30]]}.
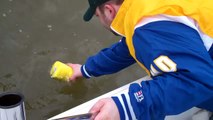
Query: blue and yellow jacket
{"points": [[172, 41]]}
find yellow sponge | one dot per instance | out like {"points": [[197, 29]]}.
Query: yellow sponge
{"points": [[61, 71]]}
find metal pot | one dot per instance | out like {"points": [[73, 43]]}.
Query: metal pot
{"points": [[12, 106]]}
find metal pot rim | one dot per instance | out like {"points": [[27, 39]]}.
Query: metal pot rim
{"points": [[14, 105]]}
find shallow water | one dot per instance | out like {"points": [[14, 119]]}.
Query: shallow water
{"points": [[34, 34]]}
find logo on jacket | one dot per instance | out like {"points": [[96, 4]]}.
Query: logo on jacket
{"points": [[139, 96]]}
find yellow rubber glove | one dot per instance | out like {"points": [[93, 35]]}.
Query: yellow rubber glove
{"points": [[61, 71]]}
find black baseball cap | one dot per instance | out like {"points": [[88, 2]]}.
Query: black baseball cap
{"points": [[93, 4]]}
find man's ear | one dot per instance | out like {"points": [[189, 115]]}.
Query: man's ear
{"points": [[109, 11]]}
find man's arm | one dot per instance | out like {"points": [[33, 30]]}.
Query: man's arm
{"points": [[108, 60]]}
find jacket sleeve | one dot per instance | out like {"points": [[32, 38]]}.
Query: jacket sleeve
{"points": [[182, 72], [108, 60]]}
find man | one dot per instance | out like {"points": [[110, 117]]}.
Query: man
{"points": [[170, 39]]}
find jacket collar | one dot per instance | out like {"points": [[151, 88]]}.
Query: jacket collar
{"points": [[119, 20]]}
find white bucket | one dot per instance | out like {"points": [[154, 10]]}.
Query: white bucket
{"points": [[12, 106]]}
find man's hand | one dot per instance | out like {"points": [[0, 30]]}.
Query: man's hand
{"points": [[76, 71], [105, 109]]}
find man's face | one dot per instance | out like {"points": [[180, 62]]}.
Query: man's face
{"points": [[105, 20]]}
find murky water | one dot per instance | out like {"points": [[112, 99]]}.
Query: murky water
{"points": [[34, 34]]}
